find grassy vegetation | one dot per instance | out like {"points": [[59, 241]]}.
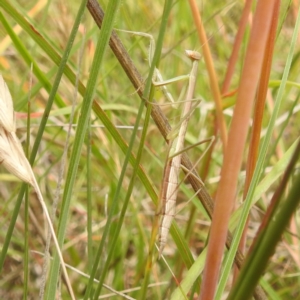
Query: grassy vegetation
{"points": [[101, 177]]}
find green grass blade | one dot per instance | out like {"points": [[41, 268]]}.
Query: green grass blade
{"points": [[271, 293], [80, 133], [191, 276], [266, 183], [128, 194], [155, 63], [266, 242]]}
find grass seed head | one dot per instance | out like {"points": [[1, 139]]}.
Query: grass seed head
{"points": [[7, 115], [11, 153]]}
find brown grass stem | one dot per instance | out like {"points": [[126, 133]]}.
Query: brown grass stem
{"points": [[213, 79]]}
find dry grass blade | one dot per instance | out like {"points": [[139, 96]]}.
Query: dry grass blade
{"points": [[7, 117], [14, 160]]}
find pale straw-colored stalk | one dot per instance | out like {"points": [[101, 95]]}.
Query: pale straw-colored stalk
{"points": [[14, 160]]}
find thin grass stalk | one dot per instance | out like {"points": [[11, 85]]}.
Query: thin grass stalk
{"points": [[26, 243], [191, 277], [34, 91], [57, 246], [226, 191], [11, 226], [236, 47], [211, 71], [285, 7], [26, 203], [26, 212], [262, 155], [270, 235], [284, 125], [180, 268], [153, 236], [89, 198]]}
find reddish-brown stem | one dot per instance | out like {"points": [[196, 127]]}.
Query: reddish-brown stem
{"points": [[233, 155]]}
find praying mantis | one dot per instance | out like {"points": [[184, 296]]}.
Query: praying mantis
{"points": [[170, 184], [169, 189]]}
